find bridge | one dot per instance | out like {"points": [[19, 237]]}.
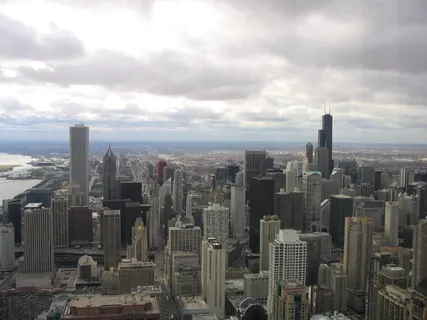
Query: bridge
{"points": [[72, 255]]}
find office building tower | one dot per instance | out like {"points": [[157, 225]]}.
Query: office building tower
{"points": [[288, 257], [111, 238], [161, 164], [109, 174], [252, 165], [80, 225], [327, 127], [270, 226], [367, 207], [337, 176], [404, 177], [364, 190], [322, 161], [357, 251], [38, 243], [309, 152], [291, 176], [410, 210], [186, 274], [7, 247], [182, 237], [189, 205], [232, 171], [178, 191], [79, 159], [289, 206], [213, 275], [255, 285], [261, 202], [291, 301], [133, 273], [366, 174], [39, 195], [419, 259], [169, 173], [139, 241], [60, 222], [313, 241], [129, 190], [391, 225], [334, 277], [377, 180], [237, 207], [312, 188], [393, 303], [279, 178], [216, 223], [321, 300], [13, 216], [75, 197], [341, 207]]}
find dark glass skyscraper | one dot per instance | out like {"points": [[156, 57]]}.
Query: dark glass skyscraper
{"points": [[109, 173], [325, 137]]}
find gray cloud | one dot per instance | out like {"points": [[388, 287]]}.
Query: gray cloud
{"points": [[18, 41]]}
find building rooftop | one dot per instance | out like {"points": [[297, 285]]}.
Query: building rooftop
{"points": [[256, 275], [66, 279], [193, 303], [34, 206], [204, 316], [37, 280]]}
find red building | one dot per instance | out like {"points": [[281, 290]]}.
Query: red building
{"points": [[160, 165]]}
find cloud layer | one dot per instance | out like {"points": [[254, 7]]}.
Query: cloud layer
{"points": [[235, 69]]}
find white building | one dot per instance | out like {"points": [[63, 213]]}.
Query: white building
{"points": [[79, 159], [312, 188], [189, 205], [269, 228], [7, 247], [391, 223], [288, 258], [214, 263], [291, 176], [216, 219], [178, 191], [237, 207]]}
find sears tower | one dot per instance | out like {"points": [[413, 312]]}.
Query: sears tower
{"points": [[325, 137]]}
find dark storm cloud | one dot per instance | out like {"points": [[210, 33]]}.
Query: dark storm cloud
{"points": [[18, 41], [165, 73]]}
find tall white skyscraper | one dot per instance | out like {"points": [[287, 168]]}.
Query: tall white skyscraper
{"points": [[288, 258], [291, 176], [269, 228], [312, 188], [391, 223], [7, 247], [237, 207], [214, 262], [178, 191], [216, 223], [79, 159]]}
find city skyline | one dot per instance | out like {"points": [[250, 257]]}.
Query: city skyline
{"points": [[187, 76]]}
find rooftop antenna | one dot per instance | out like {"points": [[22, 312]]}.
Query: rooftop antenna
{"points": [[324, 108], [329, 107]]}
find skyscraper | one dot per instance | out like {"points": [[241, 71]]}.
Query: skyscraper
{"points": [[7, 247], [237, 207], [111, 238], [178, 191], [216, 223], [309, 152], [327, 126], [109, 173], [161, 164], [391, 224], [419, 264], [253, 165], [139, 241], [270, 226], [312, 188], [288, 256], [291, 175], [60, 222], [38, 244], [79, 159]]}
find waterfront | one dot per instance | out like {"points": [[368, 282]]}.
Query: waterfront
{"points": [[11, 188]]}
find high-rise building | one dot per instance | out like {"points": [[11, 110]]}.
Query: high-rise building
{"points": [[80, 225], [216, 223], [357, 251], [334, 277], [60, 222], [253, 164], [291, 176], [341, 207], [391, 224], [109, 175], [214, 264], [261, 199], [313, 257], [169, 173], [337, 176], [325, 137], [237, 207], [312, 188], [404, 177], [133, 273], [111, 238], [291, 301], [289, 206], [139, 241], [39, 195], [13, 215], [419, 262], [186, 274], [75, 197], [322, 161], [178, 191], [288, 256], [393, 303], [255, 285], [79, 159], [161, 164], [270, 226], [7, 247], [309, 152], [38, 243]]}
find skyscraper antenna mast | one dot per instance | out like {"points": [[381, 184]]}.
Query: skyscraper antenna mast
{"points": [[329, 107], [324, 108]]}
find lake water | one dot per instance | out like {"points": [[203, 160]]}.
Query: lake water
{"points": [[11, 188]]}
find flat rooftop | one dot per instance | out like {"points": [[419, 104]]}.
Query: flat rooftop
{"points": [[33, 206], [98, 301], [37, 280], [204, 316], [193, 303]]}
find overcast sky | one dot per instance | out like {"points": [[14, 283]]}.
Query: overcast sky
{"points": [[214, 70]]}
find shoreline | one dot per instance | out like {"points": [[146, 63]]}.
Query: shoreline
{"points": [[8, 167]]}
